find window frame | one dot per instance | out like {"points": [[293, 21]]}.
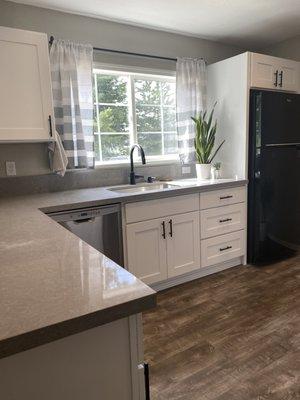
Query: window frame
{"points": [[134, 73]]}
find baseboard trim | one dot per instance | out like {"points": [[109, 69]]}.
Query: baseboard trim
{"points": [[199, 273]]}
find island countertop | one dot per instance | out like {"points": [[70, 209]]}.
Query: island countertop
{"points": [[52, 283]]}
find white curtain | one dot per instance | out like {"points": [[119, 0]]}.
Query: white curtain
{"points": [[190, 100], [71, 72]]}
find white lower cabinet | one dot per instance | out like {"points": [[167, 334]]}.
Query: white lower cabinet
{"points": [[146, 250], [163, 247], [183, 244], [102, 363], [186, 233]]}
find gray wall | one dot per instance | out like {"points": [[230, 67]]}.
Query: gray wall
{"points": [[32, 158], [287, 49]]}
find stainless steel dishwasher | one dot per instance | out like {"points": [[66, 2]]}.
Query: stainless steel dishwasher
{"points": [[100, 227]]}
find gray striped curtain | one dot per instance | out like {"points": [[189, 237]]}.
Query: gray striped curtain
{"points": [[190, 100], [71, 72]]}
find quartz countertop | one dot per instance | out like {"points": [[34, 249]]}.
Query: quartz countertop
{"points": [[53, 284]]}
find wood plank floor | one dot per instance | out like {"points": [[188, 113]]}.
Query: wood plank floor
{"points": [[234, 335]]}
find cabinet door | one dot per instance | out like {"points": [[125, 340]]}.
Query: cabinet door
{"points": [[288, 75], [147, 250], [263, 70], [25, 96], [183, 245]]}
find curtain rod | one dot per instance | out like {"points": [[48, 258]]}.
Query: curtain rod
{"points": [[128, 53]]}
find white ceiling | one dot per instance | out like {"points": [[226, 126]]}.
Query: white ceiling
{"points": [[253, 23]]}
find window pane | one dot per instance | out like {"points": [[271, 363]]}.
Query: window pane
{"points": [[112, 89], [168, 93], [147, 92], [170, 143], [115, 147], [148, 119], [169, 119], [151, 143], [113, 118], [96, 147], [95, 120]]}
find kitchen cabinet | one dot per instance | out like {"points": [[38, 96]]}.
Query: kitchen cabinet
{"points": [[274, 73], [147, 251], [183, 245], [170, 238], [165, 247], [26, 109], [105, 362]]}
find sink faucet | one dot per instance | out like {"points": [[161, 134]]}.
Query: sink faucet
{"points": [[132, 174]]}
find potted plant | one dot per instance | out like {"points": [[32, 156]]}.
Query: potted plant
{"points": [[216, 170], [204, 143]]}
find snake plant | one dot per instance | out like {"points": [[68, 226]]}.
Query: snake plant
{"points": [[205, 137]]}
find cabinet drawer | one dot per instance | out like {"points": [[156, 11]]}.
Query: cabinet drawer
{"points": [[217, 198], [220, 220], [222, 248], [144, 210]]}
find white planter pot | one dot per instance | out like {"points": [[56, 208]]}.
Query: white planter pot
{"points": [[203, 171]]}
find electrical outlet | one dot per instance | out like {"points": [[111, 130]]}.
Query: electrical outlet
{"points": [[10, 168], [186, 170]]}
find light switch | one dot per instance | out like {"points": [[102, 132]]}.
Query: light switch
{"points": [[10, 168]]}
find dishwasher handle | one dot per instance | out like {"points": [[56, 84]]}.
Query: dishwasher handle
{"points": [[80, 221], [85, 214]]}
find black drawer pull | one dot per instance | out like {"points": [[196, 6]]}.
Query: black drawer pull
{"points": [[276, 78], [281, 77], [225, 220], [225, 248], [226, 197]]}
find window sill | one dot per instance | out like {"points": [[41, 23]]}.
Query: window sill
{"points": [[150, 163]]}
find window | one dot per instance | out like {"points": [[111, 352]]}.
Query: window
{"points": [[133, 108]]}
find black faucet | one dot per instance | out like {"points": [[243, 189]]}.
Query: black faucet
{"points": [[132, 174]]}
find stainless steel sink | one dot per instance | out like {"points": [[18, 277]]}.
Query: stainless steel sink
{"points": [[144, 187]]}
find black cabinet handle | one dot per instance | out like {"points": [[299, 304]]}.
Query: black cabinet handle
{"points": [[281, 78], [276, 78], [225, 248], [171, 228], [50, 126], [164, 229], [147, 384], [226, 197], [225, 220]]}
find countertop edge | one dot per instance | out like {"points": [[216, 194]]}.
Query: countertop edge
{"points": [[48, 334]]}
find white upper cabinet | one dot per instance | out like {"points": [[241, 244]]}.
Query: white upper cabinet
{"points": [[274, 73], [26, 109]]}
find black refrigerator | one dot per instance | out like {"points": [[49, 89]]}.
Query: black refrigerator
{"points": [[274, 176]]}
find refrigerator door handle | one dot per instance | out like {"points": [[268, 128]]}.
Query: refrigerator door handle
{"points": [[282, 144]]}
